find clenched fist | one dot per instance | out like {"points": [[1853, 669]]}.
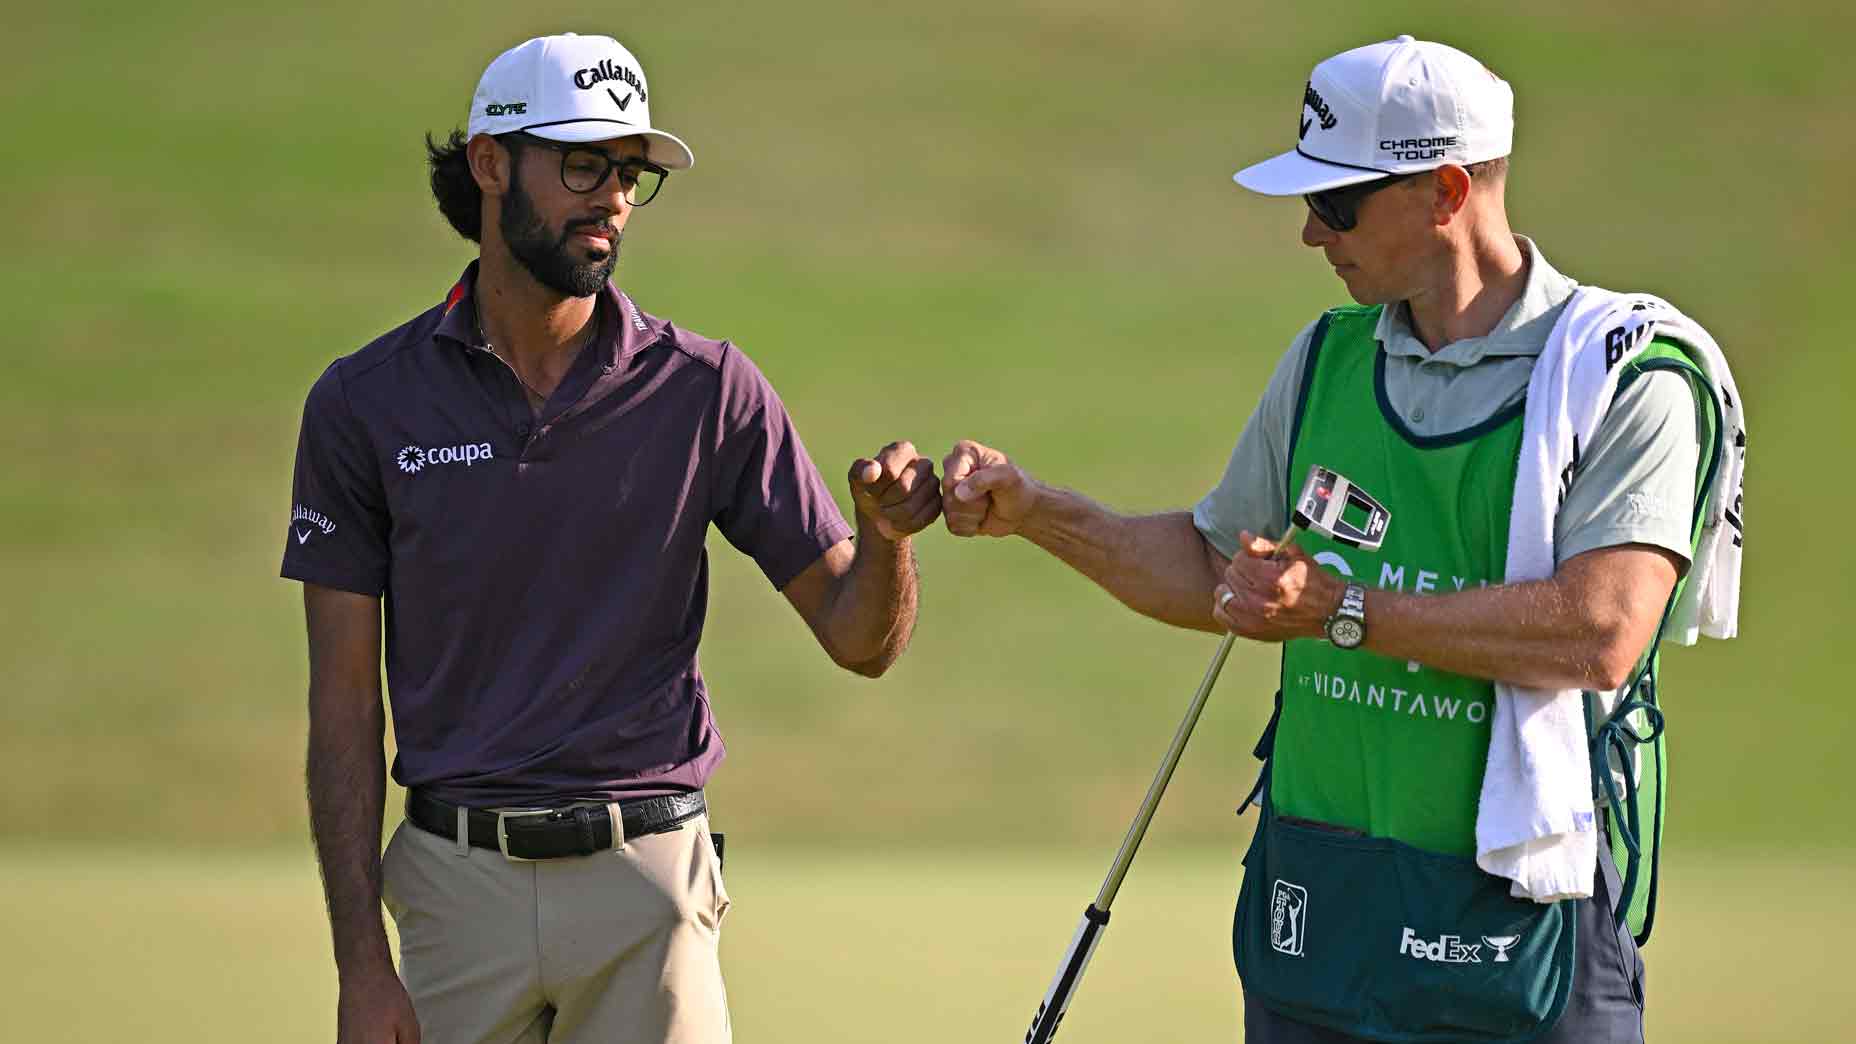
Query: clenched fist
{"points": [[896, 492], [984, 493]]}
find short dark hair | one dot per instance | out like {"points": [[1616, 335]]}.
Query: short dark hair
{"points": [[1493, 169], [453, 186]]}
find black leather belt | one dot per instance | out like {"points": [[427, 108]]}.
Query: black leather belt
{"points": [[576, 831]]}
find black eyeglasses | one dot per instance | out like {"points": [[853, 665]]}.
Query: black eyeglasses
{"points": [[585, 169], [1339, 209]]}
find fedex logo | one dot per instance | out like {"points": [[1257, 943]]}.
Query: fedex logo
{"points": [[1445, 949]]}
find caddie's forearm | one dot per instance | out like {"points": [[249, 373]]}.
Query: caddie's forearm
{"points": [[1153, 564], [1533, 634], [346, 777], [874, 607]]}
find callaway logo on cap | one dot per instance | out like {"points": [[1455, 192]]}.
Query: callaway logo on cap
{"points": [[572, 88], [1389, 108]]}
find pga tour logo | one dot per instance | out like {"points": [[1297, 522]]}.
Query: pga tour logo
{"points": [[414, 459], [1288, 918]]}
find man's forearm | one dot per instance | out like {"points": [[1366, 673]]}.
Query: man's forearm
{"points": [[874, 607], [1157, 565], [346, 775], [1585, 628], [1532, 634]]}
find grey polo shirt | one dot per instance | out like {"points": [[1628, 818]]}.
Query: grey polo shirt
{"points": [[1635, 483], [545, 577]]}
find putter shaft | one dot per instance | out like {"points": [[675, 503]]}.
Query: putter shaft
{"points": [[1138, 829], [1095, 919]]}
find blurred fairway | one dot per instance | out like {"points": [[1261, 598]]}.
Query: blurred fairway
{"points": [[1011, 221], [933, 946]]}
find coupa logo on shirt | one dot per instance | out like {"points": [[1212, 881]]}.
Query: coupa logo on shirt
{"points": [[414, 459]]}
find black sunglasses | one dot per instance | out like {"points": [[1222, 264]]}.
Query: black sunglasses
{"points": [[585, 169], [1339, 209]]}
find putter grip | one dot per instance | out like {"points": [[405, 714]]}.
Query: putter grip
{"points": [[1069, 973]]}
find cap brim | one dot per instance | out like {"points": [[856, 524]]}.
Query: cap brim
{"points": [[662, 148], [1296, 174]]}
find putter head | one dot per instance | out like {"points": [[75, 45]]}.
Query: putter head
{"points": [[1339, 510]]}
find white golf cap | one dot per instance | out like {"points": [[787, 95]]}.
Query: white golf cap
{"points": [[1396, 107], [572, 88]]}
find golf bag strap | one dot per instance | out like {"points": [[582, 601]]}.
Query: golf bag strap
{"points": [[1618, 737], [1265, 749]]}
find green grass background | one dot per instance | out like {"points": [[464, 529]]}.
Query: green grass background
{"points": [[1009, 221]]}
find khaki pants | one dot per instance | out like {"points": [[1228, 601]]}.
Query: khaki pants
{"points": [[613, 948]]}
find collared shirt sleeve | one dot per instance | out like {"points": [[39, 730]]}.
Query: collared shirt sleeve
{"points": [[771, 502], [1636, 483], [1253, 494], [338, 519]]}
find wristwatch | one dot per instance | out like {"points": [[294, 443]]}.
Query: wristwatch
{"points": [[1347, 627]]}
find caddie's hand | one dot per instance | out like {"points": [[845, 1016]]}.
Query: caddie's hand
{"points": [[1272, 598], [984, 493], [375, 1009], [896, 492]]}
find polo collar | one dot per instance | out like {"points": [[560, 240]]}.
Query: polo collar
{"points": [[622, 327], [1522, 330]]}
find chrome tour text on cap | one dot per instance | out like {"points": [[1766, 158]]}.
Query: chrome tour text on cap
{"points": [[1395, 107]]}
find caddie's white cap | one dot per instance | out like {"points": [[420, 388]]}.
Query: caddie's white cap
{"points": [[1396, 107], [572, 88]]}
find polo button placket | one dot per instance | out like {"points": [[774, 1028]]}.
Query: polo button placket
{"points": [[531, 441]]}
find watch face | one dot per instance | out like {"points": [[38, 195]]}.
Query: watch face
{"points": [[1346, 633]]}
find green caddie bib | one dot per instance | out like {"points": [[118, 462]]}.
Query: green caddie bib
{"points": [[1362, 908], [1388, 747]]}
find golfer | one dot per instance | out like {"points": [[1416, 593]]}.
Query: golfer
{"points": [[1417, 677], [522, 477]]}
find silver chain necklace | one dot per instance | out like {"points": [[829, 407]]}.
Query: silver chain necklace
{"points": [[477, 310]]}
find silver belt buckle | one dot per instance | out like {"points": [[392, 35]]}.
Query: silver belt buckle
{"points": [[502, 834]]}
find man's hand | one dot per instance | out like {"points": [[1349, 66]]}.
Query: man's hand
{"points": [[897, 491], [984, 493], [1273, 597], [374, 1008]]}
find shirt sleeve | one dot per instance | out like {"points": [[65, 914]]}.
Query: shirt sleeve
{"points": [[772, 504], [338, 519], [1253, 493], [1636, 483]]}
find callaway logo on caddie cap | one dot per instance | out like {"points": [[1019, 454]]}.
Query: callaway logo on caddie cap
{"points": [[1396, 107], [550, 87]]}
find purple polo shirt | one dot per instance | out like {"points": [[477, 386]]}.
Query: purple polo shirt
{"points": [[544, 577]]}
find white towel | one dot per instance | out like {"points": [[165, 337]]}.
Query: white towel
{"points": [[1535, 823]]}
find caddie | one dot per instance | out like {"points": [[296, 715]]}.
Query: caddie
{"points": [[1462, 799], [521, 480]]}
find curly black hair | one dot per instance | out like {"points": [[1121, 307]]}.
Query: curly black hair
{"points": [[459, 198]]}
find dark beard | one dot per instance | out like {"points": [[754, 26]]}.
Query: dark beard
{"points": [[547, 259]]}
